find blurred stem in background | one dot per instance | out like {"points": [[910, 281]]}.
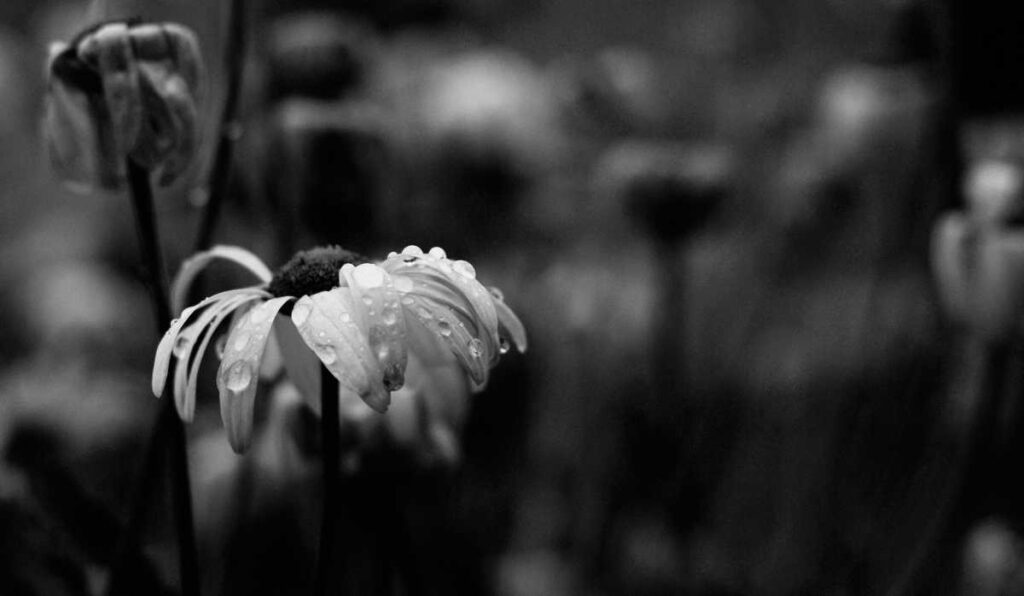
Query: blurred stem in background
{"points": [[331, 447], [169, 426], [229, 128]]}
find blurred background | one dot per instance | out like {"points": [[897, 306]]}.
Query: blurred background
{"points": [[714, 218]]}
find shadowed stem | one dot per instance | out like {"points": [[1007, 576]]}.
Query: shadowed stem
{"points": [[169, 426], [331, 445], [220, 173]]}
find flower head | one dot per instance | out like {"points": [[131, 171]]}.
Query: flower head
{"points": [[123, 89], [362, 321]]}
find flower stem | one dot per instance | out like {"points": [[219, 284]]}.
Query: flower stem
{"points": [[169, 425], [330, 440], [220, 173]]}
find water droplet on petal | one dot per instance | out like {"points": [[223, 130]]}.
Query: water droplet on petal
{"points": [[383, 352], [300, 314], [424, 312], [412, 250], [327, 354], [345, 317], [258, 315], [504, 347], [368, 275], [465, 268], [476, 348], [403, 284], [241, 340], [181, 344], [408, 301], [239, 376], [445, 327], [219, 345], [438, 253], [392, 254], [367, 300], [497, 294], [389, 317]]}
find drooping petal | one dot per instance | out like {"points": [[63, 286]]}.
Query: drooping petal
{"points": [[376, 303], [440, 320], [243, 350], [508, 321], [195, 264], [199, 335], [328, 326], [454, 282], [165, 349], [301, 365]]}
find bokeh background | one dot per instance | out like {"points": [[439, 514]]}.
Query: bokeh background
{"points": [[714, 218]]}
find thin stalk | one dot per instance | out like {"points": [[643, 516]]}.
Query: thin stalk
{"points": [[228, 132], [169, 425], [331, 443]]}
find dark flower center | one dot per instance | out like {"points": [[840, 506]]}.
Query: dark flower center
{"points": [[312, 271]]}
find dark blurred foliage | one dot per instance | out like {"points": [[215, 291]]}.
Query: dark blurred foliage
{"points": [[714, 218]]}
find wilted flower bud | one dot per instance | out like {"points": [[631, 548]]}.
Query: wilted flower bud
{"points": [[123, 89]]}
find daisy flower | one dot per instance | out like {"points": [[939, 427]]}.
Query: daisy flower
{"points": [[360, 320]]}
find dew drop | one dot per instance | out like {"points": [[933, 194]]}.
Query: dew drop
{"points": [[367, 300], [465, 268], [504, 347], [258, 315], [345, 317], [219, 345], [389, 317], [424, 312], [413, 251], [408, 301], [476, 348], [239, 376], [241, 340], [445, 327], [300, 314], [327, 354], [368, 275], [181, 344], [438, 253], [383, 352], [403, 284], [497, 294]]}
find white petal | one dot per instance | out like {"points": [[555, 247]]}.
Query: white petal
{"points": [[196, 263], [438, 279], [120, 73], [327, 324], [201, 331], [242, 352], [445, 326], [165, 349], [508, 321], [301, 365], [376, 302]]}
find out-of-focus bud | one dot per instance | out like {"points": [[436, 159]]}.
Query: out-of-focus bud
{"points": [[317, 55], [980, 275], [672, 190], [123, 90]]}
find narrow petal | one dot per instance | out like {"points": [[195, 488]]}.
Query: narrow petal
{"points": [[186, 56], [452, 332], [328, 326], [165, 349], [196, 263], [380, 316], [199, 334], [301, 365], [508, 321], [238, 372]]}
